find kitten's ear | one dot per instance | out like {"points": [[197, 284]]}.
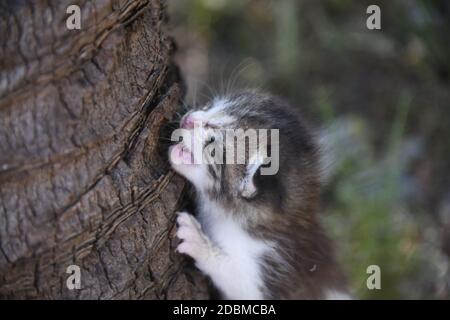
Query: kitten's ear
{"points": [[247, 188]]}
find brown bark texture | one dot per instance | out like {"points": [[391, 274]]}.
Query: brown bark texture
{"points": [[83, 177]]}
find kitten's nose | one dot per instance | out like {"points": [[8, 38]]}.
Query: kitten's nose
{"points": [[187, 123]]}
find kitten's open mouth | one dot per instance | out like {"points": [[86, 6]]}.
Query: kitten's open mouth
{"points": [[182, 154], [185, 150]]}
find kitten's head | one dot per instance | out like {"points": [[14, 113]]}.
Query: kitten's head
{"points": [[248, 147]]}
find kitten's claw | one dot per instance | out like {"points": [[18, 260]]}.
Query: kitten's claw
{"points": [[194, 242]]}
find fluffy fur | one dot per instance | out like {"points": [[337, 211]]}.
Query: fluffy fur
{"points": [[257, 236]]}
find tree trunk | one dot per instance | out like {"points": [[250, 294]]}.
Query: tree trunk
{"points": [[83, 177]]}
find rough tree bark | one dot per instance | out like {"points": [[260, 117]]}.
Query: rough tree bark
{"points": [[83, 179]]}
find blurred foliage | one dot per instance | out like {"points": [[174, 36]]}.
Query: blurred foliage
{"points": [[368, 213], [381, 99]]}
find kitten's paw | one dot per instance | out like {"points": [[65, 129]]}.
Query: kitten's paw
{"points": [[194, 242]]}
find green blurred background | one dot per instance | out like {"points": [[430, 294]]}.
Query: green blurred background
{"points": [[379, 98]]}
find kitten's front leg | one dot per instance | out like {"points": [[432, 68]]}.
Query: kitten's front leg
{"points": [[196, 244], [231, 276]]}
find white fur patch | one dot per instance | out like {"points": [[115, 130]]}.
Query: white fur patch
{"points": [[215, 115], [237, 273]]}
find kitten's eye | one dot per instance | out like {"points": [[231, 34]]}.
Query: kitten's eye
{"points": [[210, 140], [211, 126]]}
